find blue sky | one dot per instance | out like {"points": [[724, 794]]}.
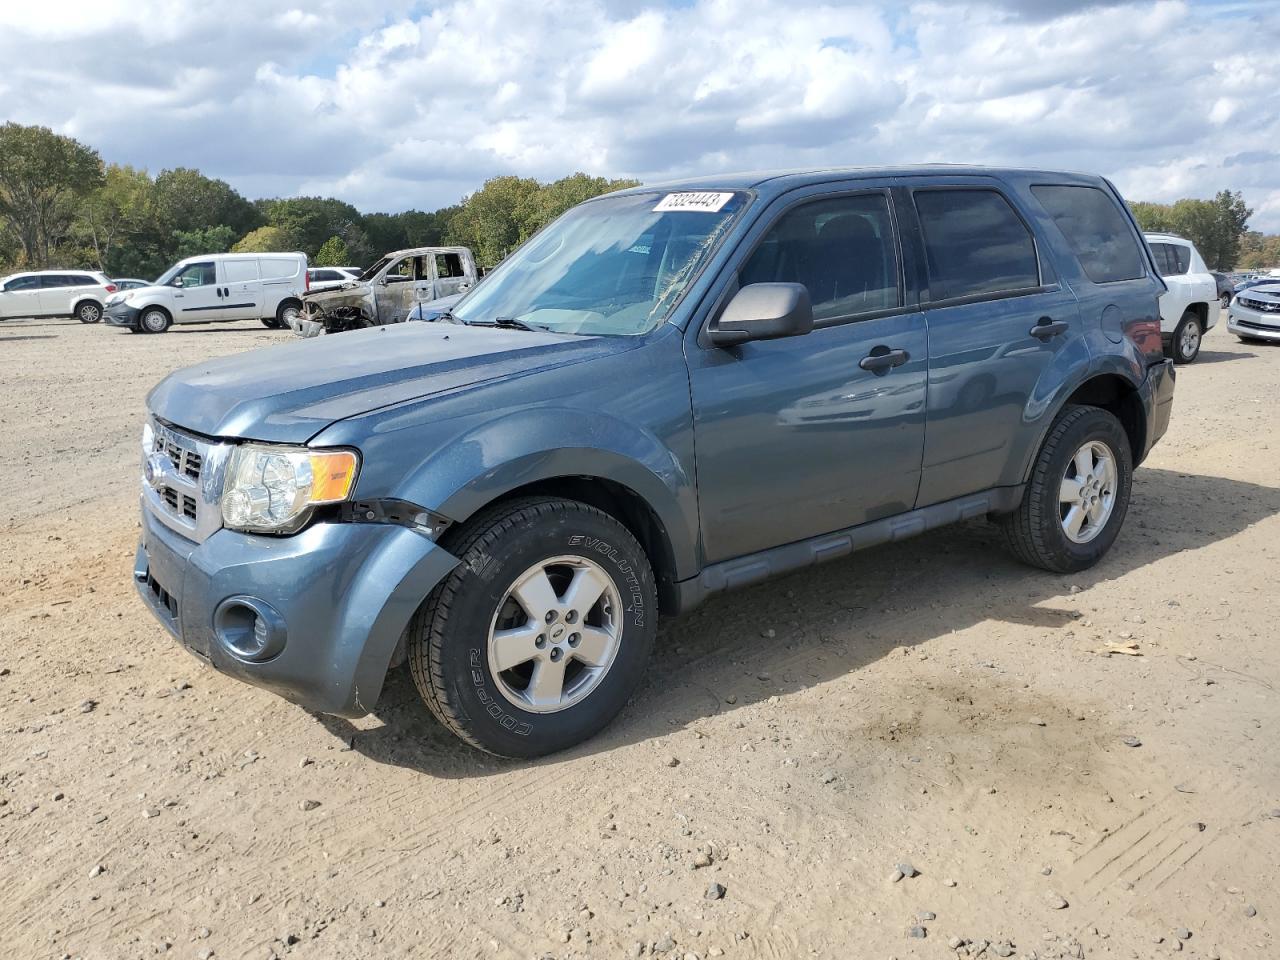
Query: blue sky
{"points": [[393, 105]]}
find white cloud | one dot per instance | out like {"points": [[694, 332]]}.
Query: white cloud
{"points": [[392, 111]]}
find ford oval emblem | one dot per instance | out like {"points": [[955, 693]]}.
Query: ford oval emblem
{"points": [[154, 470]]}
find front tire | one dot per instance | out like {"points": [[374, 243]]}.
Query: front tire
{"points": [[1076, 501], [154, 320], [1187, 337], [271, 323], [537, 639], [287, 314], [89, 312]]}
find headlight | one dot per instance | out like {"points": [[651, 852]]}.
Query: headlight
{"points": [[270, 489]]}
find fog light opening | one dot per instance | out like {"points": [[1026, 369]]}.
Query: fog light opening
{"points": [[249, 629]]}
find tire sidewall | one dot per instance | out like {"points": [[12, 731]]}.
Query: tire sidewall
{"points": [[499, 725], [1096, 425]]}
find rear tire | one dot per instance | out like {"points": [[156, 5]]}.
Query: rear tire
{"points": [[1184, 347], [88, 312], [1039, 532], [154, 320], [287, 314], [571, 665]]}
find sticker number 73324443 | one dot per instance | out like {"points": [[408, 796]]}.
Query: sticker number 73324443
{"points": [[698, 202]]}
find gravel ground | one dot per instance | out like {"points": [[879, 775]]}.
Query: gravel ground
{"points": [[916, 749]]}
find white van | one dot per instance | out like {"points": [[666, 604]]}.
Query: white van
{"points": [[215, 288]]}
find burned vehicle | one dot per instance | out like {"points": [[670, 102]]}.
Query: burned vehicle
{"points": [[388, 291]]}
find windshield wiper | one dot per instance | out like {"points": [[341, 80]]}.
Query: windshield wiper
{"points": [[510, 323]]}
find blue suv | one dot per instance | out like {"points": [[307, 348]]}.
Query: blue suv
{"points": [[668, 392]]}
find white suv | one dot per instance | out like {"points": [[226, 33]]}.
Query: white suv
{"points": [[55, 293], [1191, 307], [214, 288]]}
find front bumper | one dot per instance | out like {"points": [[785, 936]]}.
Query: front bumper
{"points": [[1247, 322], [342, 595], [121, 315], [1157, 402]]}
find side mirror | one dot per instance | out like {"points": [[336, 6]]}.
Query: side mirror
{"points": [[764, 311]]}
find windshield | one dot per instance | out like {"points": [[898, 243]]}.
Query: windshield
{"points": [[373, 271], [613, 266]]}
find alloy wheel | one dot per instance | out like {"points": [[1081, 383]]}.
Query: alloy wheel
{"points": [[555, 634], [1087, 494]]}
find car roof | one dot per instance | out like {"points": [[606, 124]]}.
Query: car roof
{"points": [[774, 182], [1167, 238]]}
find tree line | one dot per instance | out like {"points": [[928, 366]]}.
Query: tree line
{"points": [[62, 206]]}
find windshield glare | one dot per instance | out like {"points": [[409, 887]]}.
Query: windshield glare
{"points": [[613, 266]]}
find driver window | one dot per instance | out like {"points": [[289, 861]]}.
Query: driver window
{"points": [[195, 275], [841, 249], [401, 270]]}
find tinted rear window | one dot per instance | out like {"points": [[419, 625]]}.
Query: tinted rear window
{"points": [[1171, 259], [975, 244], [1095, 229]]}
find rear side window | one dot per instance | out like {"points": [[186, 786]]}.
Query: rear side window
{"points": [[53, 281], [975, 244], [448, 265], [278, 268], [1171, 259], [1096, 231], [238, 271], [841, 249]]}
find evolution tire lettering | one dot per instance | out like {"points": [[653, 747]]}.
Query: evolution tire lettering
{"points": [[609, 552]]}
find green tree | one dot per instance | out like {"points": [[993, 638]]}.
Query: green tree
{"points": [[122, 210], [268, 239], [1259, 251], [491, 221], [1214, 226], [196, 243], [310, 221], [188, 201], [555, 198], [43, 176], [333, 253]]}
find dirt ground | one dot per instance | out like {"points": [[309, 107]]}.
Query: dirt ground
{"points": [[929, 703]]}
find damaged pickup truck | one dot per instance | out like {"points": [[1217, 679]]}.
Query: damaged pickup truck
{"points": [[388, 291]]}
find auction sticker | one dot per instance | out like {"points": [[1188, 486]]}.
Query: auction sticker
{"points": [[699, 202]]}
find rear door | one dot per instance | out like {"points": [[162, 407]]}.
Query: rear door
{"points": [[814, 433], [21, 297], [451, 275], [997, 317], [56, 291], [241, 289]]}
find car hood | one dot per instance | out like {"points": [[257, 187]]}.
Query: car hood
{"points": [[289, 393], [1268, 290]]}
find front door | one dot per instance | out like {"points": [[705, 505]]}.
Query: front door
{"points": [[21, 298], [807, 435], [405, 283], [197, 297]]}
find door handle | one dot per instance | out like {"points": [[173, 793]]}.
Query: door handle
{"points": [[1047, 328], [881, 359]]}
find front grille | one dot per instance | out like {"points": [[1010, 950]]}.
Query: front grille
{"points": [[1255, 326], [1263, 306], [182, 480], [186, 461]]}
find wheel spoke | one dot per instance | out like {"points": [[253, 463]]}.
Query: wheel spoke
{"points": [[1070, 492], [515, 646], [593, 649], [536, 595], [547, 682], [1074, 520], [585, 589], [1097, 511], [1084, 462]]}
